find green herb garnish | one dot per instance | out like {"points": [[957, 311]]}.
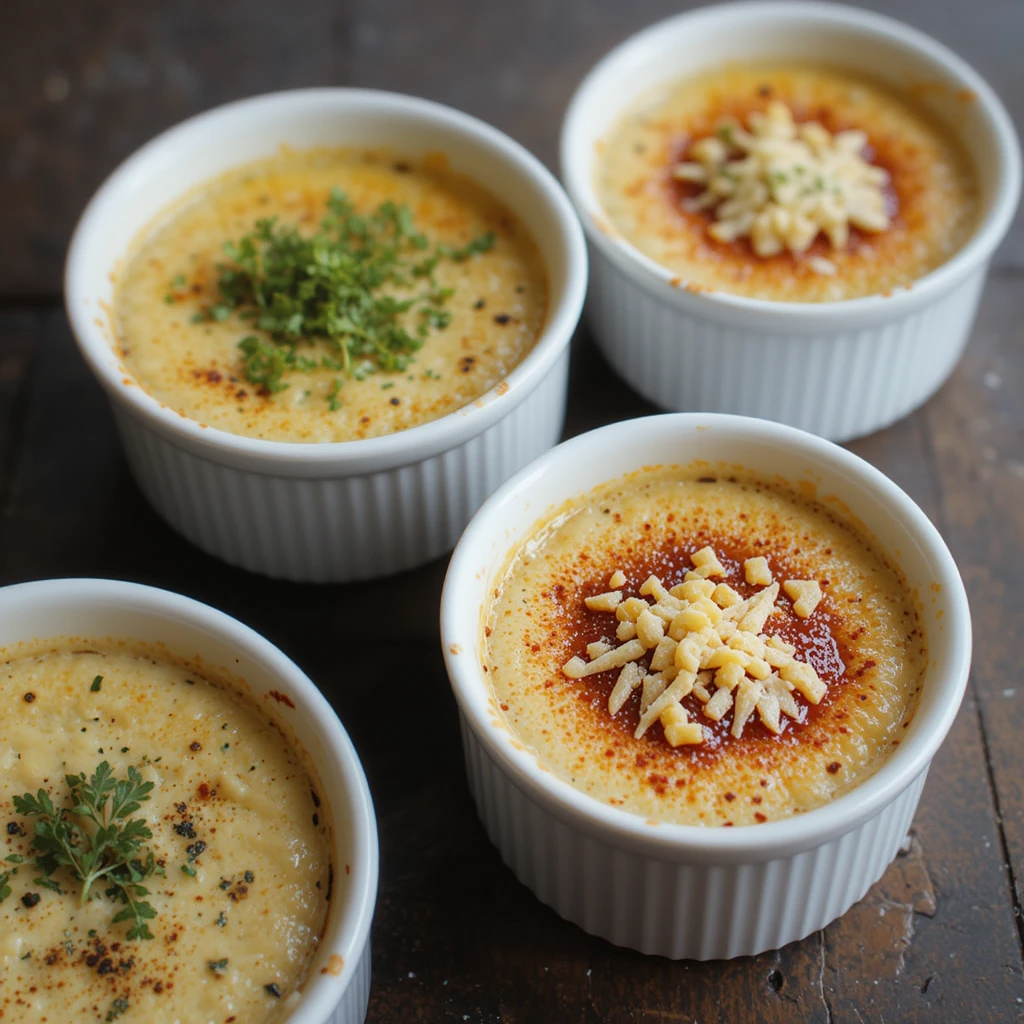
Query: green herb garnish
{"points": [[217, 966], [117, 1007], [96, 684], [5, 889], [96, 838], [337, 290]]}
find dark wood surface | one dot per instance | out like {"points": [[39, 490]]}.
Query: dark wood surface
{"points": [[456, 937]]}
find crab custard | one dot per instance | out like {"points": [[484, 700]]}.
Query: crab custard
{"points": [[702, 646], [166, 852], [330, 295], [787, 183]]}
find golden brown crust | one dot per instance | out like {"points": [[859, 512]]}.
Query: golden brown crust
{"points": [[864, 640], [932, 197]]}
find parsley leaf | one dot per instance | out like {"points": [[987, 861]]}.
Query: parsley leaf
{"points": [[97, 838]]}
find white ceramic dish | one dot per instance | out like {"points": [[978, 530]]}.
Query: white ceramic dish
{"points": [[338, 511], [839, 369], [102, 608], [675, 890]]}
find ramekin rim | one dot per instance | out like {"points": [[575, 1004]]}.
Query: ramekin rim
{"points": [[397, 448], [763, 841], [319, 996], [987, 235]]}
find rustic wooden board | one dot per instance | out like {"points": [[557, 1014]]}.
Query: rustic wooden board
{"points": [[977, 429], [456, 937]]}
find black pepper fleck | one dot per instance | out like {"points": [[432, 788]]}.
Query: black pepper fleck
{"points": [[195, 849], [30, 899]]}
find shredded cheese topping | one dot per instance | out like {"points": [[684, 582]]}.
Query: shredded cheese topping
{"points": [[704, 639], [781, 183]]}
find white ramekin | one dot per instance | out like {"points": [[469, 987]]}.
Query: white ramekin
{"points": [[337, 511], [106, 608], [839, 369], [687, 891]]}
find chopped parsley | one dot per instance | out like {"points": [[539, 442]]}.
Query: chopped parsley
{"points": [[218, 966], [96, 684], [359, 294], [97, 839], [117, 1007]]}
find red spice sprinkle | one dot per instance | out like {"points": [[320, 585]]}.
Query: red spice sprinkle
{"points": [[730, 797], [833, 767], [759, 817]]}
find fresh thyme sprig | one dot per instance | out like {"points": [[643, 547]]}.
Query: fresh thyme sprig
{"points": [[96, 838], [335, 293]]}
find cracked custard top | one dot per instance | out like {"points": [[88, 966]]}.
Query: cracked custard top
{"points": [[704, 647]]}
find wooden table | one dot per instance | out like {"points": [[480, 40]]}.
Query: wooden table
{"points": [[456, 937]]}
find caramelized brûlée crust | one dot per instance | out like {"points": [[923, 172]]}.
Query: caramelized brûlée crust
{"points": [[838, 606]]}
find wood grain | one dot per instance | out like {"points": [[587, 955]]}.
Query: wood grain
{"points": [[456, 937], [455, 934]]}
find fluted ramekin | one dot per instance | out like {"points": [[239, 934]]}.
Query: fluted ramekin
{"points": [[338, 987], [689, 891], [333, 511], [839, 369]]}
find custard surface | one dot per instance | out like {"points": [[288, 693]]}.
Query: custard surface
{"points": [[498, 307], [932, 192], [864, 639], [238, 829]]}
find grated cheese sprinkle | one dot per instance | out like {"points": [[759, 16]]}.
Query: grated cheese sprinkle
{"points": [[703, 639], [780, 184]]}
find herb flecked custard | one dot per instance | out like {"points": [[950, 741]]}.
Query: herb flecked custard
{"points": [[330, 295], [164, 855]]}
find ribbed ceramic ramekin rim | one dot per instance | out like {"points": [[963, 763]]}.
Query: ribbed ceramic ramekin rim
{"points": [[578, 177], [353, 914], [461, 629], [342, 457]]}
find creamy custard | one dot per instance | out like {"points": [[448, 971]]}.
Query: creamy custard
{"points": [[239, 832], [863, 638], [498, 302], [931, 190]]}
